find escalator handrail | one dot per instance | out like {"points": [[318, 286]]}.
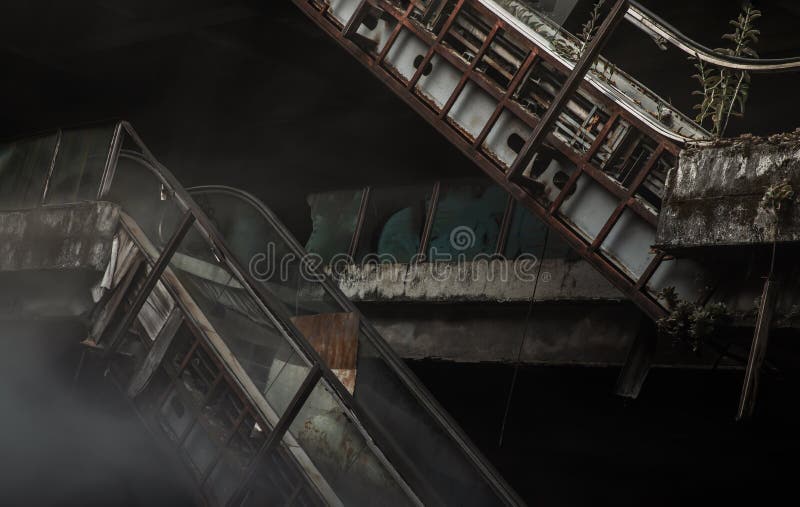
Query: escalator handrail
{"points": [[651, 23], [283, 320]]}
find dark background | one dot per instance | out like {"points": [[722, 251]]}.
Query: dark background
{"points": [[251, 94]]}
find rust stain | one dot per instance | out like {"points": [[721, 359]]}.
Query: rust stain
{"points": [[335, 338]]}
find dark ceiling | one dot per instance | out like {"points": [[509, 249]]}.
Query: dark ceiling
{"points": [[252, 94]]}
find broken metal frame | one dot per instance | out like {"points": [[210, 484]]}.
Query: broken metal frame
{"points": [[635, 288], [758, 349], [281, 428]]}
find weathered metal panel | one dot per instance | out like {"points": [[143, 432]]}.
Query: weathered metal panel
{"points": [[335, 338]]}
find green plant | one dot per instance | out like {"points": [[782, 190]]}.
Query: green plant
{"points": [[589, 29], [724, 92], [778, 197], [689, 324]]}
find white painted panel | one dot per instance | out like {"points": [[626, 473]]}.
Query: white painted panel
{"points": [[441, 82], [589, 208], [404, 51], [497, 140], [343, 10], [628, 243], [472, 109]]}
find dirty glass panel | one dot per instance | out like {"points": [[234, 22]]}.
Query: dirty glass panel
{"points": [[176, 413], [410, 431], [218, 420], [23, 170], [79, 166], [377, 385], [467, 221], [393, 224], [340, 452], [527, 234], [334, 216], [141, 195], [249, 333], [191, 384], [277, 480], [235, 459], [260, 247]]}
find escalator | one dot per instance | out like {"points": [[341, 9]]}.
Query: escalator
{"points": [[486, 73], [239, 357]]}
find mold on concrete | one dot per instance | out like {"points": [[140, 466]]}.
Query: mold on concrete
{"points": [[713, 197]]}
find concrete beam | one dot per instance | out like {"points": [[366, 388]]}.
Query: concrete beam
{"points": [[713, 196], [492, 281], [63, 237]]}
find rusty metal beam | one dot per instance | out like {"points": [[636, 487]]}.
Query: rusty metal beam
{"points": [[429, 219], [585, 62], [360, 218], [758, 350]]}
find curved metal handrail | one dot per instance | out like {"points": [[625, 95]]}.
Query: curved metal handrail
{"points": [[643, 105], [651, 23]]}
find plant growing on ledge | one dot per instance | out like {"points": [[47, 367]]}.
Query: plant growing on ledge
{"points": [[688, 324], [724, 92], [778, 198]]}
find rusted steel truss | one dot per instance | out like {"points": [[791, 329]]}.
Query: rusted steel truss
{"points": [[611, 152]]}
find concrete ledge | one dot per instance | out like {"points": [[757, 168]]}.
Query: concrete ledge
{"points": [[713, 196], [63, 237], [492, 281]]}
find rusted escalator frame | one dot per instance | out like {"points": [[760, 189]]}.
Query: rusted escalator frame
{"points": [[634, 289]]}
